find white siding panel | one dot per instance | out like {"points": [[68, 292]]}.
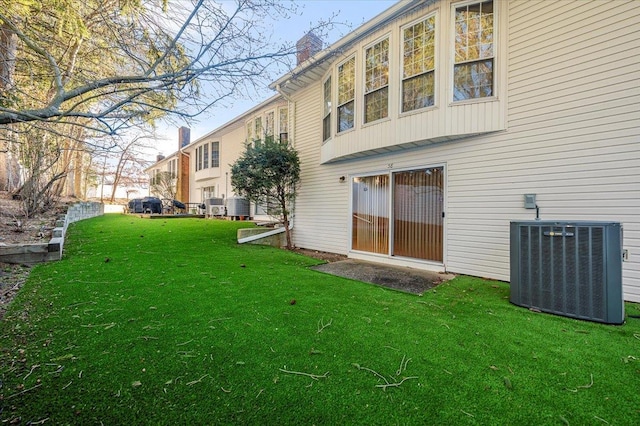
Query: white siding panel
{"points": [[571, 136]]}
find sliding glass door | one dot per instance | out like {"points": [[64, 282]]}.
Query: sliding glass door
{"points": [[399, 213], [417, 213], [370, 214]]}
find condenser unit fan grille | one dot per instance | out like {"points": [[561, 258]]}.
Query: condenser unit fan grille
{"points": [[568, 268]]}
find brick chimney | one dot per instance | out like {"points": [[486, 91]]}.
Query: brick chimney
{"points": [[184, 137], [308, 46]]}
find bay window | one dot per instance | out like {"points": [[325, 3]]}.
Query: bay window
{"points": [[473, 71], [326, 118], [215, 154], [418, 65], [376, 81], [346, 94]]}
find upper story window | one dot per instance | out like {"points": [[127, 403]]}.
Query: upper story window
{"points": [[283, 123], [259, 131], [473, 75], [376, 81], [269, 121], [249, 131], [326, 113], [171, 168], [418, 65], [205, 157], [199, 158], [215, 154], [346, 94]]}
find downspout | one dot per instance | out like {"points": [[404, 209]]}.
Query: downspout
{"points": [[291, 217], [181, 151]]}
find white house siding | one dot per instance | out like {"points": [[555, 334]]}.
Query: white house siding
{"points": [[572, 138], [231, 141], [232, 138]]}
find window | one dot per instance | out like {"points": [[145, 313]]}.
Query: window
{"points": [[284, 123], [259, 130], [418, 65], [206, 156], [269, 122], [346, 94], [326, 115], [474, 51], [376, 81], [199, 158], [208, 192], [249, 131], [215, 154]]}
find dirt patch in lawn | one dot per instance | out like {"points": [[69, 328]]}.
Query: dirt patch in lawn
{"points": [[409, 280]]}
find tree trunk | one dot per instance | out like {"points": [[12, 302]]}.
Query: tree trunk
{"points": [[8, 49], [77, 175]]}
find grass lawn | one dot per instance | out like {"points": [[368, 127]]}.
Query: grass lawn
{"points": [[172, 322]]}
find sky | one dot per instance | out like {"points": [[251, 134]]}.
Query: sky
{"points": [[352, 12]]}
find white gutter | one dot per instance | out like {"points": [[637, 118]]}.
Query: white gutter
{"points": [[402, 7], [264, 234]]}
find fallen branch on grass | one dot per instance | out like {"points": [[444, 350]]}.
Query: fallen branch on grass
{"points": [[582, 387], [322, 325], [24, 391], [393, 383], [197, 381], [313, 376]]}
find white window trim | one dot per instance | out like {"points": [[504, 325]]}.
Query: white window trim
{"points": [[332, 107], [363, 82], [497, 40], [437, 68], [273, 124], [336, 94]]}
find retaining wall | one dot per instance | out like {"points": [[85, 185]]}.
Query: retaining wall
{"points": [[29, 254]]}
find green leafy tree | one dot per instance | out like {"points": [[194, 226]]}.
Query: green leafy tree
{"points": [[268, 173]]}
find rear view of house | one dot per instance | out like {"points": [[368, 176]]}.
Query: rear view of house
{"points": [[420, 132]]}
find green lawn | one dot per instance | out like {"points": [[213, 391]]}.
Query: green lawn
{"points": [[172, 322]]}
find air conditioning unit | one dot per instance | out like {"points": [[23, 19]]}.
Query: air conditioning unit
{"points": [[216, 210], [572, 269]]}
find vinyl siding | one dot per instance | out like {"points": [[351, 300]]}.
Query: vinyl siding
{"points": [[572, 136]]}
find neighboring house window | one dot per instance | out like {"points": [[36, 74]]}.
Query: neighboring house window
{"points": [[208, 192], [376, 81], [346, 94], [206, 156], [473, 75], [215, 154], [199, 158], [284, 124], [418, 65], [269, 121], [249, 131], [326, 115], [259, 131]]}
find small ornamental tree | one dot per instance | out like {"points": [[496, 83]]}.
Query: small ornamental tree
{"points": [[268, 173], [163, 185]]}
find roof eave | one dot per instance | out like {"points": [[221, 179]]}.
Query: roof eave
{"points": [[313, 68]]}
